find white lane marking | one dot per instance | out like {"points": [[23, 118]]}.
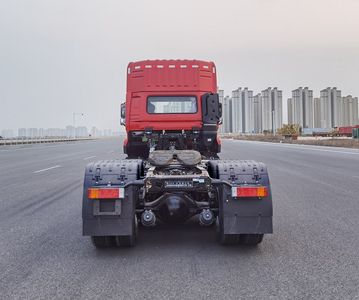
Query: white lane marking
{"points": [[43, 170], [89, 157], [299, 146]]}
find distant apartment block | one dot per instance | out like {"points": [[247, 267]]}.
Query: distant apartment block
{"points": [[330, 99], [242, 111], [237, 111], [82, 131], [7, 133], [42, 132], [227, 114], [245, 113], [300, 108], [349, 109], [329, 111], [337, 111], [257, 113], [271, 110], [316, 113], [21, 132], [32, 132]]}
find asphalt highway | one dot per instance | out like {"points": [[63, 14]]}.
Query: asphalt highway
{"points": [[313, 253]]}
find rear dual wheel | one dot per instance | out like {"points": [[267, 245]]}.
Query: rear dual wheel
{"points": [[250, 239], [128, 240], [241, 239], [119, 240], [235, 239], [103, 241]]}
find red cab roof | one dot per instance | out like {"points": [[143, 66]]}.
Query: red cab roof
{"points": [[171, 76]]}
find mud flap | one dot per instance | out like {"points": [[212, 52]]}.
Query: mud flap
{"points": [[115, 224], [112, 217], [244, 215]]}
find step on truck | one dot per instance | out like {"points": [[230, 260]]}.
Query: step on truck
{"points": [[172, 171]]}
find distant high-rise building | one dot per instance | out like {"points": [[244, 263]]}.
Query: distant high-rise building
{"points": [[266, 112], [245, 113], [272, 118], [316, 113], [300, 108], [96, 132], [237, 111], [7, 133], [70, 131], [227, 114], [56, 132], [257, 113], [277, 108], [32, 132], [81, 131], [290, 111], [242, 111], [21, 132], [330, 109], [42, 132], [349, 111]]}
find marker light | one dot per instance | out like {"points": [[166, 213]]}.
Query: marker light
{"points": [[249, 191], [106, 193]]}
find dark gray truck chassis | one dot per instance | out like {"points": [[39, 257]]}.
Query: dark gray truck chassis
{"points": [[173, 186]]}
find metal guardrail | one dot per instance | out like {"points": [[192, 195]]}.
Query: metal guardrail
{"points": [[23, 141]]}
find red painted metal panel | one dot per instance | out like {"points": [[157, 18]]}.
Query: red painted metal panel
{"points": [[166, 77], [171, 75]]}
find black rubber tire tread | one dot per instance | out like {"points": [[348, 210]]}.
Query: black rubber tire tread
{"points": [[229, 239], [103, 241], [128, 240], [250, 239], [226, 239], [125, 241]]}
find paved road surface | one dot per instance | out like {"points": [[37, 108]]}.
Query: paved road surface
{"points": [[313, 254]]}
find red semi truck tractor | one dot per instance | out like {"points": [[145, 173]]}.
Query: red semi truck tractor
{"points": [[172, 172]]}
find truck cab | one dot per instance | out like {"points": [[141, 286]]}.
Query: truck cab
{"points": [[172, 172], [171, 104]]}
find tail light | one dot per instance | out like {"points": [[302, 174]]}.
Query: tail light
{"points": [[249, 191], [106, 193]]}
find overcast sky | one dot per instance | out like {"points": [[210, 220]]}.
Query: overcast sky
{"points": [[60, 57]]}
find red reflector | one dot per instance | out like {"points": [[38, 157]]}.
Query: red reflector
{"points": [[105, 193], [249, 191]]}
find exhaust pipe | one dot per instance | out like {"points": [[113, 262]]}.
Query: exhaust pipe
{"points": [[206, 217], [148, 218]]}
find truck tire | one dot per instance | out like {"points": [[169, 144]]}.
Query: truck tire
{"points": [[103, 241], [250, 239], [243, 222], [226, 239], [128, 240], [229, 239]]}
